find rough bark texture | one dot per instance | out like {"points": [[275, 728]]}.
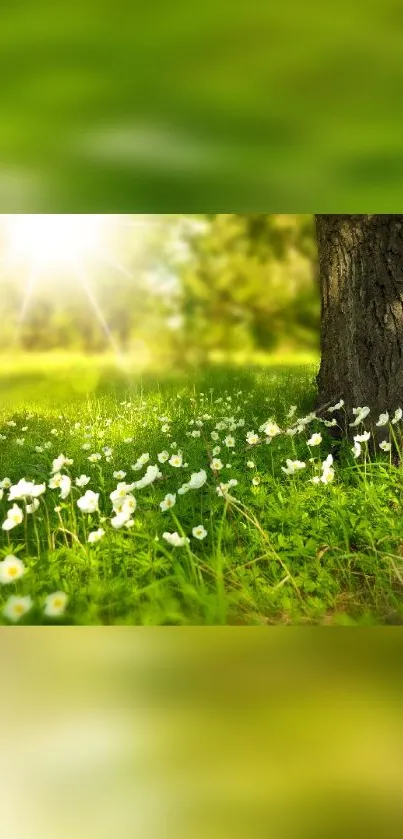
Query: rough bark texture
{"points": [[361, 272]]}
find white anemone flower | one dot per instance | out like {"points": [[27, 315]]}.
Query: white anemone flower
{"points": [[11, 569], [315, 440], [362, 438], [293, 466], [197, 479], [141, 461], [360, 415], [17, 607], [55, 604], [60, 462], [96, 536], [176, 460], [150, 476], [174, 539], [398, 416], [385, 446], [88, 503], [14, 517], [168, 502], [339, 405], [356, 450], [26, 490], [271, 429], [383, 420], [82, 481], [199, 532]]}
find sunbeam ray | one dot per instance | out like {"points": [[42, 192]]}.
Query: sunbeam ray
{"points": [[97, 309]]}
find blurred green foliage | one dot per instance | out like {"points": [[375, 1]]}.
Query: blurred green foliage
{"points": [[174, 290], [133, 107]]}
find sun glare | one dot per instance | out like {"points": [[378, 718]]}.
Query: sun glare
{"points": [[53, 239]]}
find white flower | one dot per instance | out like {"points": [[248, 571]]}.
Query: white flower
{"points": [[216, 464], [11, 424], [292, 411], [142, 460], [256, 481], [121, 520], [95, 536], [14, 517], [252, 438], [196, 433], [163, 457], [215, 436], [26, 489], [60, 462], [229, 442], [293, 466], [397, 417], [223, 489], [11, 569], [39, 449], [315, 440], [33, 507], [16, 608], [174, 539], [82, 481], [94, 458], [5, 483], [199, 532], [216, 451], [330, 423], [128, 506], [165, 428], [362, 438], [337, 407], [356, 450], [20, 441], [150, 476], [385, 446], [176, 460], [183, 489], [86, 447], [120, 475], [55, 604], [88, 503], [250, 464], [271, 429], [168, 502], [327, 470], [383, 420], [360, 415], [197, 481], [62, 482]]}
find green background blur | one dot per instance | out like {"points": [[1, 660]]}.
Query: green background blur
{"points": [[208, 734], [131, 107]]}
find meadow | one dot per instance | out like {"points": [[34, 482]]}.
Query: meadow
{"points": [[209, 498]]}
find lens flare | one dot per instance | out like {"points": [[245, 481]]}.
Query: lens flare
{"points": [[53, 239]]}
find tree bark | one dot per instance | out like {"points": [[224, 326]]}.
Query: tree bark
{"points": [[361, 273]]}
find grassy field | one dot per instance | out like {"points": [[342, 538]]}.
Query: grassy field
{"points": [[207, 528]]}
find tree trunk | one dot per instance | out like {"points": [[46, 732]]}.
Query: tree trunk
{"points": [[361, 272]]}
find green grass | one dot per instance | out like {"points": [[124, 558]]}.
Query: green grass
{"points": [[284, 551]]}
